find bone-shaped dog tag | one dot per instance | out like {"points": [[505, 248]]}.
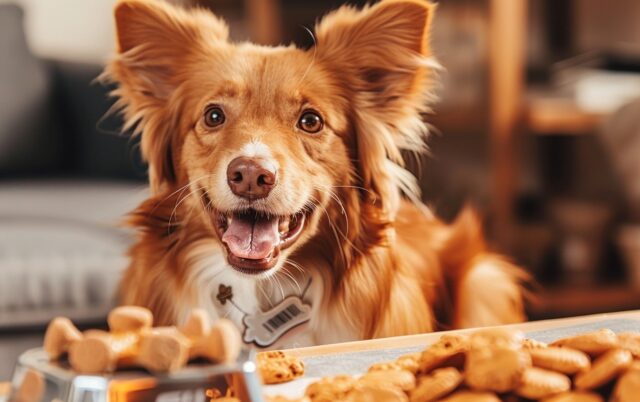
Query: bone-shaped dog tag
{"points": [[264, 328]]}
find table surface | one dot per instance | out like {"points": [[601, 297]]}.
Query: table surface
{"points": [[354, 357]]}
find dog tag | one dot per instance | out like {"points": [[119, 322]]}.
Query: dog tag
{"points": [[264, 328]]}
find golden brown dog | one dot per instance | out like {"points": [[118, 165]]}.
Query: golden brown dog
{"points": [[279, 197]]}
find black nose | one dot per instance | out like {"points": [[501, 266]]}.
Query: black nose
{"points": [[250, 178]]}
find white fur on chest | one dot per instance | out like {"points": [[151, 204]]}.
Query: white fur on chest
{"points": [[210, 279]]}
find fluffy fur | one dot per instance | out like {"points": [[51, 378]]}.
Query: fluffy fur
{"points": [[382, 264]]}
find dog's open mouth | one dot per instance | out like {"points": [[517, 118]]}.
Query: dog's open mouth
{"points": [[254, 240]]}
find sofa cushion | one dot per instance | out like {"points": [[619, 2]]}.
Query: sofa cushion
{"points": [[61, 249]]}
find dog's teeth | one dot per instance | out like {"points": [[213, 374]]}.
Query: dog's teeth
{"points": [[229, 219]]}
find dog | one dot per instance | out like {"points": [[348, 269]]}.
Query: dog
{"points": [[279, 197]]}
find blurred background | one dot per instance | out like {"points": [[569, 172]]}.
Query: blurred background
{"points": [[538, 127]]}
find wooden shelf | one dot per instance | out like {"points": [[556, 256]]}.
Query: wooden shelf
{"points": [[565, 301], [548, 115]]}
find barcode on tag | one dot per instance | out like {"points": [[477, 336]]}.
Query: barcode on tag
{"points": [[283, 317], [265, 327]]}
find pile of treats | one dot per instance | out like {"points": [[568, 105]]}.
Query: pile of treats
{"points": [[499, 365], [132, 341]]}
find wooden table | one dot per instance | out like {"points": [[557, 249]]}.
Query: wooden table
{"points": [[426, 339]]}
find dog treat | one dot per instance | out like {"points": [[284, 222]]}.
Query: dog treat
{"points": [[594, 343], [564, 360], [333, 388], [61, 333], [279, 398], [385, 366], [129, 319], [537, 383], [604, 369], [155, 349], [631, 342], [533, 344], [403, 379], [472, 396], [437, 384], [132, 342], [366, 391], [31, 387], [219, 343], [276, 367], [628, 387], [449, 350], [495, 361], [575, 396], [410, 362]]}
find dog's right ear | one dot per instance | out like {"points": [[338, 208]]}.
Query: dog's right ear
{"points": [[154, 38], [155, 41]]}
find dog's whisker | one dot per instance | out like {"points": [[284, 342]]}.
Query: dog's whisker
{"points": [[179, 202], [331, 223], [266, 296], [291, 277], [181, 198], [338, 201], [333, 228]]}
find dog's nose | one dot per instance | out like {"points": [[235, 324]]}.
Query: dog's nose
{"points": [[250, 178]]}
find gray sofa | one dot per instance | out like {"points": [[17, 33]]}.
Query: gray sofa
{"points": [[67, 178]]}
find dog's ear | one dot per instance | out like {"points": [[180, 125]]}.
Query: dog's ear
{"points": [[155, 41], [381, 55]]}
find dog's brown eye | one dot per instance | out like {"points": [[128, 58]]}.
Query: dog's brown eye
{"points": [[310, 121], [213, 116]]}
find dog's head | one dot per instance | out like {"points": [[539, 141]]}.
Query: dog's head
{"points": [[272, 142]]}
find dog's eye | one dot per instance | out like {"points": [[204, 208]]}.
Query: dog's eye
{"points": [[310, 121], [213, 116]]}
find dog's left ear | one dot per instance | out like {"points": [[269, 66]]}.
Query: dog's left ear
{"points": [[381, 57]]}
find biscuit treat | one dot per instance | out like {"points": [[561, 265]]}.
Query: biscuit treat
{"points": [[336, 387], [385, 366], [575, 396], [279, 398], [627, 388], [594, 343], [410, 362], [437, 384], [631, 342], [563, 360], [533, 344], [537, 383], [403, 379], [472, 396], [375, 392], [604, 369], [449, 350], [277, 367], [495, 361]]}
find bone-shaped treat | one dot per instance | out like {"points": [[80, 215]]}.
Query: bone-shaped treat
{"points": [[129, 318], [133, 342], [219, 343], [61, 333], [162, 349]]}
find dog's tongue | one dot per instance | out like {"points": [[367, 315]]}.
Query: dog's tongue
{"points": [[252, 238]]}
